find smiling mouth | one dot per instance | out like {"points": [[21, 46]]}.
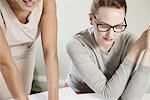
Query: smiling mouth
{"points": [[107, 39], [29, 4]]}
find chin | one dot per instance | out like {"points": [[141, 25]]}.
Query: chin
{"points": [[108, 43], [28, 8]]}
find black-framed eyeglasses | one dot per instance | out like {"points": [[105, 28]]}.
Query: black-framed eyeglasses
{"points": [[106, 27]]}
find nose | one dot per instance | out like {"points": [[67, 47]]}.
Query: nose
{"points": [[110, 33]]}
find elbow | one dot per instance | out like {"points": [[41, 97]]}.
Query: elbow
{"points": [[5, 61], [107, 94], [50, 53]]}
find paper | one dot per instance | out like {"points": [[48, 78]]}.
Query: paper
{"points": [[68, 94], [90, 96]]}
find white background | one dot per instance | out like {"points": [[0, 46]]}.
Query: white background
{"points": [[73, 17]]}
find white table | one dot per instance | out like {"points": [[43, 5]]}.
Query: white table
{"points": [[69, 94], [65, 94]]}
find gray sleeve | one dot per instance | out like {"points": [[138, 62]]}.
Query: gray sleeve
{"points": [[128, 40], [138, 84], [111, 89]]}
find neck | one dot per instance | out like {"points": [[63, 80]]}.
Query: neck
{"points": [[18, 11], [106, 48]]}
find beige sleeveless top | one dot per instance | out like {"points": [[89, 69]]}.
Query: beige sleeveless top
{"points": [[21, 38]]}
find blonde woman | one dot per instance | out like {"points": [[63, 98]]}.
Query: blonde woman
{"points": [[105, 55]]}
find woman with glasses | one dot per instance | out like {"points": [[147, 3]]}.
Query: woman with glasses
{"points": [[21, 22], [105, 56]]}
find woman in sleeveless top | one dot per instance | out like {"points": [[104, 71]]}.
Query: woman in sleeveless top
{"points": [[21, 21]]}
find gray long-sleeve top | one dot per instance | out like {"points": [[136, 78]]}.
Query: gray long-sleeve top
{"points": [[105, 73]]}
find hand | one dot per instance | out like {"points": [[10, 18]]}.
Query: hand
{"points": [[141, 42], [148, 39]]}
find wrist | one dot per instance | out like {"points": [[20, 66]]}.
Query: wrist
{"points": [[146, 57], [53, 96], [22, 97], [137, 47], [140, 44], [134, 53]]}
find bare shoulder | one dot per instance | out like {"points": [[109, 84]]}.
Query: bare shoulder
{"points": [[49, 6], [47, 3]]}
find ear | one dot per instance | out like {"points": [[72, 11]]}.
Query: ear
{"points": [[91, 18]]}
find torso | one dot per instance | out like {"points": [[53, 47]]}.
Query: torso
{"points": [[107, 62], [21, 36]]}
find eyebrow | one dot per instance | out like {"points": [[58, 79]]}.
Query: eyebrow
{"points": [[101, 22]]}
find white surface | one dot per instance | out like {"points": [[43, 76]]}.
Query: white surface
{"points": [[66, 94], [69, 94]]}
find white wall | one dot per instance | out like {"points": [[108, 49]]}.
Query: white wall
{"points": [[148, 5], [73, 17], [137, 15]]}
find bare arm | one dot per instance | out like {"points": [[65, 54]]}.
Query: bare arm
{"points": [[10, 71], [137, 48], [146, 56], [49, 42]]}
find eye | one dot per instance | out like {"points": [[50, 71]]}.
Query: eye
{"points": [[103, 26], [119, 27]]}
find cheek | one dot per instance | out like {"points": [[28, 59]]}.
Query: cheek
{"points": [[97, 33], [99, 36]]}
